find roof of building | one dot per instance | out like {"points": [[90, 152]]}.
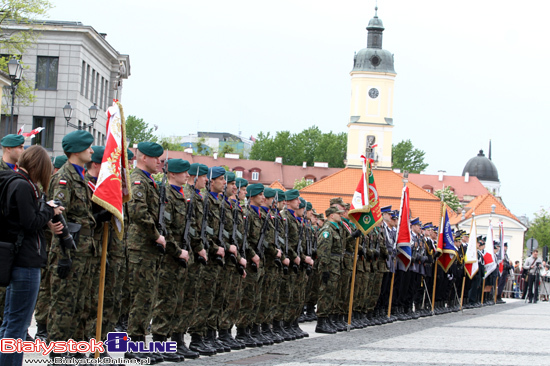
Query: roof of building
{"points": [[277, 185], [459, 186], [389, 185], [269, 171], [481, 167], [482, 205]]}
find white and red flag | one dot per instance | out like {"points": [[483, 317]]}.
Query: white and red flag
{"points": [[489, 256], [113, 186], [471, 265], [404, 250]]}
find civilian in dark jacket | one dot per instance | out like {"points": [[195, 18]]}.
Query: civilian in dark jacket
{"points": [[23, 212]]}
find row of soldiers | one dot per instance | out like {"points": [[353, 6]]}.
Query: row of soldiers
{"points": [[205, 252]]}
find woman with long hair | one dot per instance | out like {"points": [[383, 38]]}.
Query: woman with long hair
{"points": [[24, 212]]}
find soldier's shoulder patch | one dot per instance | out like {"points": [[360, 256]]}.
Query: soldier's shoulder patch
{"points": [[137, 182], [326, 234], [61, 195], [139, 194], [63, 182]]}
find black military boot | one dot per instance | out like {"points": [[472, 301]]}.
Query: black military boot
{"points": [[287, 326], [356, 324], [41, 332], [268, 332], [224, 336], [310, 313], [138, 355], [213, 342], [297, 328], [182, 347], [167, 356], [302, 318], [244, 338], [122, 324], [282, 331], [323, 327], [336, 324], [256, 332], [199, 345]]}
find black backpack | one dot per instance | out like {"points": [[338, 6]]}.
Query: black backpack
{"points": [[6, 177]]}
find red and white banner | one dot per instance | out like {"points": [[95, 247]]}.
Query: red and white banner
{"points": [[113, 185], [404, 250], [471, 265], [489, 256]]}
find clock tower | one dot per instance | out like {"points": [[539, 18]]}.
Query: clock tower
{"points": [[371, 113]]}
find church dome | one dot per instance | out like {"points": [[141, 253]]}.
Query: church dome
{"points": [[482, 168]]}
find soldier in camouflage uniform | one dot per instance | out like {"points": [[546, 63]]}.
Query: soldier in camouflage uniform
{"points": [[207, 284], [380, 269], [12, 147], [328, 265], [311, 288], [361, 284], [70, 276], [173, 269], [272, 261], [232, 281], [197, 181], [251, 298], [145, 244]]}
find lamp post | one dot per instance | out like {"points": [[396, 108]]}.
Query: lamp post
{"points": [[15, 70], [68, 113]]}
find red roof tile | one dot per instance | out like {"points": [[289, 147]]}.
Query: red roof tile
{"points": [[472, 188], [482, 205]]}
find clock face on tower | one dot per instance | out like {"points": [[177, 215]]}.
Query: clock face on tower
{"points": [[373, 93]]}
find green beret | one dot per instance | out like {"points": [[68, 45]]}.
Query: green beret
{"points": [[97, 156], [292, 194], [178, 165], [230, 177], [302, 203], [215, 172], [241, 182], [280, 194], [58, 161], [309, 206], [329, 211], [269, 192], [12, 140], [130, 154], [198, 169], [77, 141], [151, 149], [254, 189]]}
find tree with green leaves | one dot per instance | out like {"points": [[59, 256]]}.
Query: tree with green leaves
{"points": [[540, 229], [226, 149], [137, 130], [310, 145], [449, 197], [14, 42], [406, 157], [301, 183], [172, 143]]}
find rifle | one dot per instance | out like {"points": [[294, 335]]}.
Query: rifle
{"points": [[161, 225], [273, 208], [294, 266], [233, 238], [186, 243], [314, 252], [300, 239], [245, 236], [260, 245], [308, 245], [221, 232], [376, 251], [205, 213]]}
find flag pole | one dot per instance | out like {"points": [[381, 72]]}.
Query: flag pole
{"points": [[462, 292], [441, 227], [101, 285], [352, 283], [482, 291]]}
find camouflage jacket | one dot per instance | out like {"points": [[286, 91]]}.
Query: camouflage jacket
{"points": [[346, 229], [270, 249], [293, 230], [75, 195], [254, 229], [213, 224], [3, 165], [380, 264], [237, 219], [329, 248], [143, 212], [195, 230], [174, 216]]}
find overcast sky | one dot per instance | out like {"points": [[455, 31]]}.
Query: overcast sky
{"points": [[467, 71]]}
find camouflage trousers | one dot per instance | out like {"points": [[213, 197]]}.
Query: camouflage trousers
{"points": [[143, 271], [207, 286], [190, 299], [68, 297], [285, 295], [250, 301], [312, 288], [270, 295], [298, 296], [224, 281], [43, 302], [374, 291], [360, 289], [170, 295], [328, 294], [232, 298], [344, 286]]}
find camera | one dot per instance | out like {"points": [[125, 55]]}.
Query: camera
{"points": [[66, 238]]}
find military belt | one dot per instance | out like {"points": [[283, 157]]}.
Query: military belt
{"points": [[348, 253], [86, 231], [336, 255]]}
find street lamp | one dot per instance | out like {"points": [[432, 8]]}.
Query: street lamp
{"points": [[15, 70], [68, 112]]}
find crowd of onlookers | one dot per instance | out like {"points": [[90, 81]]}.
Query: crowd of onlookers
{"points": [[516, 285]]}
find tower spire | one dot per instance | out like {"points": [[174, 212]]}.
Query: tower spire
{"points": [[490, 149]]}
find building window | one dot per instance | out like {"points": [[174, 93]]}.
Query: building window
{"points": [[102, 139], [46, 73], [310, 181], [13, 125], [96, 95], [82, 77], [101, 99], [45, 137], [87, 80], [92, 89], [107, 105], [255, 175], [239, 173]]}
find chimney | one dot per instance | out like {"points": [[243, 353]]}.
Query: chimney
{"points": [[189, 150], [279, 160], [467, 177], [441, 173], [215, 156], [304, 165]]}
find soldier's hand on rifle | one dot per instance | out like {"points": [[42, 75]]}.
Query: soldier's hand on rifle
{"points": [[243, 262], [256, 260], [297, 261], [221, 252], [279, 253], [202, 253], [233, 249], [356, 234], [162, 241], [184, 255], [244, 274], [286, 262], [309, 261]]}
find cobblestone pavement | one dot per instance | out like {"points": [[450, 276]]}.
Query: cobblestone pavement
{"points": [[510, 334]]}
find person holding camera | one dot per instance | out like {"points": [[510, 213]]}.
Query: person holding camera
{"points": [[532, 266], [25, 215]]}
